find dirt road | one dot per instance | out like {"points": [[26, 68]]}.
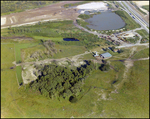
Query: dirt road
{"points": [[51, 12], [72, 58]]}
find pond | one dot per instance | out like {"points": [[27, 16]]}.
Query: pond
{"points": [[70, 39], [105, 21]]}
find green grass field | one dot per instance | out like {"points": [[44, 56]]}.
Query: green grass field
{"points": [[141, 54], [19, 74], [68, 51], [141, 11], [131, 101], [7, 53], [87, 56], [144, 34], [130, 23], [146, 7], [47, 38], [18, 48]]}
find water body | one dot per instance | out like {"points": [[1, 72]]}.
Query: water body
{"points": [[105, 21], [70, 39]]}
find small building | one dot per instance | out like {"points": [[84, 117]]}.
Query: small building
{"points": [[96, 55], [105, 55]]}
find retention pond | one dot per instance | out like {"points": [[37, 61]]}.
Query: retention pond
{"points": [[105, 21]]}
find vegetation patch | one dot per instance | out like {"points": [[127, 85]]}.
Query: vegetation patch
{"points": [[8, 7], [141, 54], [41, 52], [144, 34], [57, 81], [55, 30], [18, 48], [7, 53], [146, 7], [83, 23], [130, 23], [47, 38], [85, 16], [133, 39], [75, 4], [19, 74]]}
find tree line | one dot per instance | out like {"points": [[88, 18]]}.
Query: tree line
{"points": [[56, 81]]}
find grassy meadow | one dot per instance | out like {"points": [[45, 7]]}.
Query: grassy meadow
{"points": [[144, 34], [130, 102], [97, 100], [19, 74], [141, 54], [18, 48], [130, 23], [146, 7]]}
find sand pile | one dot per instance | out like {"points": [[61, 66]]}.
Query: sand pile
{"points": [[93, 6]]}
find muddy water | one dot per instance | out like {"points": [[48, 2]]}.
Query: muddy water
{"points": [[105, 21]]}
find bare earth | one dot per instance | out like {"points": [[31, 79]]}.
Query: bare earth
{"points": [[51, 12], [141, 3]]}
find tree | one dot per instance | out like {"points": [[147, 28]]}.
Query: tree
{"points": [[104, 61], [44, 92], [120, 51], [112, 48], [104, 67]]}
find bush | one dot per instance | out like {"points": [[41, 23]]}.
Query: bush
{"points": [[120, 51], [104, 67]]}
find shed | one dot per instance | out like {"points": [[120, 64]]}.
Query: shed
{"points": [[105, 55]]}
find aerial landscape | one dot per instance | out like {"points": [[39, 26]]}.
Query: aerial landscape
{"points": [[75, 59]]}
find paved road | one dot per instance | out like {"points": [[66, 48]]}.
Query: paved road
{"points": [[135, 12], [138, 18]]}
